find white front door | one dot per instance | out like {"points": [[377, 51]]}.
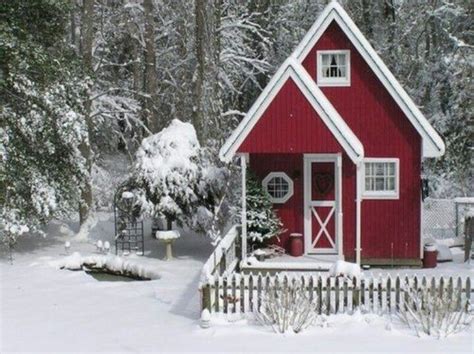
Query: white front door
{"points": [[322, 204]]}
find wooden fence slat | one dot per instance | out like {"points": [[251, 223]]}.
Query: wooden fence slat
{"points": [[450, 289], [397, 292], [362, 293], [345, 303], [389, 294], [458, 294], [468, 288], [251, 298], [380, 294], [216, 294], [259, 290], [234, 294], [328, 296], [336, 295], [355, 294], [319, 292], [371, 294], [225, 295]]}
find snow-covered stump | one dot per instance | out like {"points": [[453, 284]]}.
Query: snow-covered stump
{"points": [[168, 237]]}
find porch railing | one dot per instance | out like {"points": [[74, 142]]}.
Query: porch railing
{"points": [[243, 293], [225, 257]]}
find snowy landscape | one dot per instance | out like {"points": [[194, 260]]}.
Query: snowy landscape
{"points": [[45, 309], [236, 176]]}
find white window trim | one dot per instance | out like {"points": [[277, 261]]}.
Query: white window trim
{"points": [[324, 81], [382, 194], [286, 178]]}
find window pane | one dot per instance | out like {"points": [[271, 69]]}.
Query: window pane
{"points": [[379, 169], [341, 59], [379, 184], [391, 183], [391, 169], [278, 187], [325, 59]]}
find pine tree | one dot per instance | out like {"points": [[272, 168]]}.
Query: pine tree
{"points": [[262, 222], [41, 118]]}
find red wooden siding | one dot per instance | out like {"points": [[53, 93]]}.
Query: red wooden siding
{"points": [[290, 125], [383, 129], [291, 212]]}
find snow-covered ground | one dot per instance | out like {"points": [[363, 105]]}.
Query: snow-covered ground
{"points": [[51, 310]]}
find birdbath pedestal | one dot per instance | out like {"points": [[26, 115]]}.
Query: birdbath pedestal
{"points": [[168, 238]]}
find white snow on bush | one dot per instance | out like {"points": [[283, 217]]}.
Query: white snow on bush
{"points": [[168, 152], [137, 267], [167, 235], [341, 268]]}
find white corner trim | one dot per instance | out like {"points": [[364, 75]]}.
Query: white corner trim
{"points": [[331, 81], [382, 194], [330, 117], [283, 175], [433, 145]]}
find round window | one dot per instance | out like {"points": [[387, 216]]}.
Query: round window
{"points": [[278, 186]]}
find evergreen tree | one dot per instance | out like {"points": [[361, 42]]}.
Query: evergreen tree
{"points": [[262, 222], [41, 117]]}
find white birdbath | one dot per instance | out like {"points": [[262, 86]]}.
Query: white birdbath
{"points": [[168, 238]]}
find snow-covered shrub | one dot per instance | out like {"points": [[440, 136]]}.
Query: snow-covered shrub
{"points": [[262, 221], [434, 314], [178, 179], [287, 308]]}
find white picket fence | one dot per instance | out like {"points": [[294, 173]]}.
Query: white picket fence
{"points": [[243, 293]]}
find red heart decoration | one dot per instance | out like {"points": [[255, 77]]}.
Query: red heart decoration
{"points": [[324, 182]]}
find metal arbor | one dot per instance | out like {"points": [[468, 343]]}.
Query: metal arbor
{"points": [[128, 223]]}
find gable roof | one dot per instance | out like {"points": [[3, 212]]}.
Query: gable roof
{"points": [[433, 145], [328, 114]]}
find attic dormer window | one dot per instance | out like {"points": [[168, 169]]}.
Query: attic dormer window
{"points": [[334, 68]]}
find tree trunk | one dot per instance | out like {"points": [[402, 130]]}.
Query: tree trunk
{"points": [[87, 37], [199, 13], [150, 116]]}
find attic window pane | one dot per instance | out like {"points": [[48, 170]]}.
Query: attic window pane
{"points": [[333, 67]]}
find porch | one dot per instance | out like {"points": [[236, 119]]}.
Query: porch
{"points": [[309, 201]]}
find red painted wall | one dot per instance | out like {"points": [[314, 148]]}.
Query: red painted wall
{"points": [[291, 212], [383, 129], [289, 127]]}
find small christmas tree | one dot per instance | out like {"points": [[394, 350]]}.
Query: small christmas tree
{"points": [[262, 221]]}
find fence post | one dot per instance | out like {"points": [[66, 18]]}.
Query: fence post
{"points": [[206, 297], [468, 232]]}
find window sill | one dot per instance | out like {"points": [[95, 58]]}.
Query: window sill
{"points": [[389, 196], [333, 84]]}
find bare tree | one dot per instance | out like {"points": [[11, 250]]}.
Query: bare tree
{"points": [[87, 38]]}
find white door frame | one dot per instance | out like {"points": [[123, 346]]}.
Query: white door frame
{"points": [[308, 161]]}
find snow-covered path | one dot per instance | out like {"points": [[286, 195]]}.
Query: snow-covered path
{"points": [[50, 310]]}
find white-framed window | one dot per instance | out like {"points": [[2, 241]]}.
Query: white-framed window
{"points": [[381, 178], [334, 68], [278, 186]]}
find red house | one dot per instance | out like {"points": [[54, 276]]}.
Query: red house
{"points": [[338, 145]]}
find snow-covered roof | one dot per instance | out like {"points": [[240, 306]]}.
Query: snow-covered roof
{"points": [[331, 118], [433, 145]]}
